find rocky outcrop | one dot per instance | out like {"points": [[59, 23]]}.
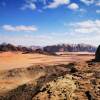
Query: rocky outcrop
{"points": [[61, 88], [70, 48], [9, 47], [48, 50], [97, 54], [59, 83]]}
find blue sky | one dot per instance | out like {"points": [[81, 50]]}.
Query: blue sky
{"points": [[47, 22]]}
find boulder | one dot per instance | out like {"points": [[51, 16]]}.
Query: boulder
{"points": [[97, 54]]}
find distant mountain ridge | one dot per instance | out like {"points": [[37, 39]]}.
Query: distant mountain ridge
{"points": [[49, 49], [4, 47], [70, 48], [11, 47]]}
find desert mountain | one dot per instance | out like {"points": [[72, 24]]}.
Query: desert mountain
{"points": [[4, 47], [11, 47], [49, 49], [70, 48]]}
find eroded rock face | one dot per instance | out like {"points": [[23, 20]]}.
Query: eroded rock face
{"points": [[97, 54], [70, 48]]}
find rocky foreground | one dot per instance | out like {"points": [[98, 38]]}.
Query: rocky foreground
{"points": [[75, 81]]}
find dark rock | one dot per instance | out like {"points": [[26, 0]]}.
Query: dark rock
{"points": [[69, 48], [97, 54], [72, 68], [89, 95], [97, 74]]}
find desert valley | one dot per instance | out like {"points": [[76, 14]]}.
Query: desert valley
{"points": [[48, 76], [49, 49]]}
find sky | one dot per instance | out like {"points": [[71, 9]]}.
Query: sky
{"points": [[48, 22]]}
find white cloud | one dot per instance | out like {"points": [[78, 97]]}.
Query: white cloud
{"points": [[57, 3], [27, 39], [8, 28], [88, 26], [98, 11], [73, 6], [19, 28], [88, 2], [29, 4], [98, 3]]}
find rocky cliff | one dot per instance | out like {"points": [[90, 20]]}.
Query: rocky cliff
{"points": [[70, 48]]}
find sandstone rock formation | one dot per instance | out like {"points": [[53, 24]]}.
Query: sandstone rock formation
{"points": [[70, 48]]}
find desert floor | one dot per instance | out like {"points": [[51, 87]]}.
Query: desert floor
{"points": [[17, 69], [11, 60]]}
